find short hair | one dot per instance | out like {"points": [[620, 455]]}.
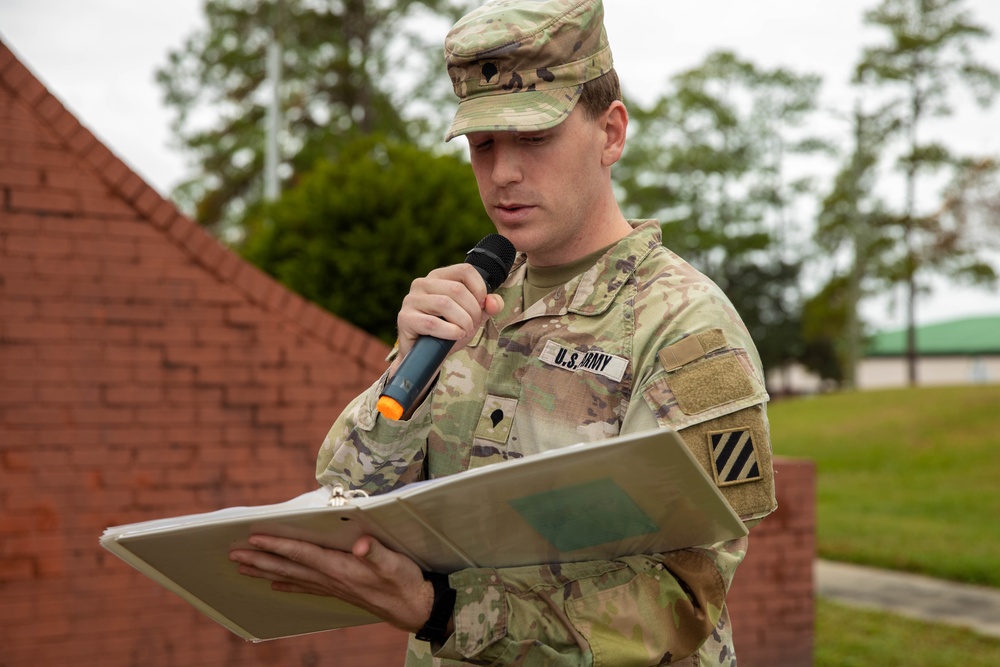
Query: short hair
{"points": [[599, 93]]}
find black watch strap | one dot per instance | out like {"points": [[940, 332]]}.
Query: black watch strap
{"points": [[435, 630]]}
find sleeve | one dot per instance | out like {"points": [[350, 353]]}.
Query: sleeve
{"points": [[709, 386], [639, 610], [364, 451]]}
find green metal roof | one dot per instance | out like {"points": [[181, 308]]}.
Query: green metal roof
{"points": [[969, 336]]}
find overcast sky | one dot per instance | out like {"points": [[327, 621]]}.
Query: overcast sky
{"points": [[99, 56]]}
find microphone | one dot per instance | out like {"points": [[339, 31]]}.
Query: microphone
{"points": [[492, 258]]}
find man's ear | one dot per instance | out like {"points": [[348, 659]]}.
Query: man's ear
{"points": [[615, 121]]}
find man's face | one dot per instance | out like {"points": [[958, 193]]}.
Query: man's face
{"points": [[541, 188]]}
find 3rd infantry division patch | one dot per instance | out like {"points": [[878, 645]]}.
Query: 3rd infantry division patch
{"points": [[734, 457]]}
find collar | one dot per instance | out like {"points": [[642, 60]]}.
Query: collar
{"points": [[592, 292]]}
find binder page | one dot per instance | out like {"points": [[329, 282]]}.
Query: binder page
{"points": [[633, 494]]}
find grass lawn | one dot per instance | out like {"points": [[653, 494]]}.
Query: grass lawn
{"points": [[907, 479], [847, 637]]}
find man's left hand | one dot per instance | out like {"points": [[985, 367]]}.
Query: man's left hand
{"points": [[372, 577]]}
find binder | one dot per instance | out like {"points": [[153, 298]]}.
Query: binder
{"points": [[640, 493]]}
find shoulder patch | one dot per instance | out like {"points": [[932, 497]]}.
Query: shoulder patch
{"points": [[734, 456]]}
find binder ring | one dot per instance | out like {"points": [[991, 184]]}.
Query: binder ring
{"points": [[340, 497]]}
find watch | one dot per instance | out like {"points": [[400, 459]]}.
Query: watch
{"points": [[435, 630]]}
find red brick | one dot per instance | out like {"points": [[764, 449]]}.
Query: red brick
{"points": [[247, 355], [147, 201], [242, 314], [163, 215], [35, 155], [81, 140], [14, 74], [99, 373], [63, 394], [145, 355], [215, 292], [253, 282], [13, 308], [43, 200], [17, 569], [63, 124], [135, 313], [106, 248], [19, 175], [98, 156], [36, 330], [49, 108], [166, 333], [187, 433], [86, 268], [133, 395], [32, 91], [21, 222], [251, 395], [60, 178], [103, 415], [224, 414], [197, 240], [104, 204], [75, 226], [38, 246], [224, 374], [115, 172], [107, 288]]}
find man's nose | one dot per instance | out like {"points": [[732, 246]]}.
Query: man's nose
{"points": [[506, 166]]}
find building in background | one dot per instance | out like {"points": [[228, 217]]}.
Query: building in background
{"points": [[957, 352], [963, 351]]}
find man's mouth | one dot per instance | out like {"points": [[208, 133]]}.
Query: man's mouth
{"points": [[512, 212]]}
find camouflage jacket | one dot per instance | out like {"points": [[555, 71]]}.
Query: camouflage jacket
{"points": [[638, 341]]}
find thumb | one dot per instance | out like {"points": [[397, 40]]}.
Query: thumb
{"points": [[368, 548], [493, 304]]}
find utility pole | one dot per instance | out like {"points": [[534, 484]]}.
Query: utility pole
{"points": [[272, 187]]}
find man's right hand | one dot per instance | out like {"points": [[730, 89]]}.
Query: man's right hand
{"points": [[450, 303]]}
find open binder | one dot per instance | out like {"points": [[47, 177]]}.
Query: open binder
{"points": [[640, 493]]}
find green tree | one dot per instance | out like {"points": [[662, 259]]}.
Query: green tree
{"points": [[929, 48], [825, 318], [708, 159], [340, 60], [355, 231], [851, 221]]}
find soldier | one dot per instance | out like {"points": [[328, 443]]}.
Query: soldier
{"points": [[540, 106]]}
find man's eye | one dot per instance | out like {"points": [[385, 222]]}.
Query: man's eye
{"points": [[482, 145], [533, 140]]}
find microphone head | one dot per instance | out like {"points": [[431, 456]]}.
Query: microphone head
{"points": [[492, 257]]}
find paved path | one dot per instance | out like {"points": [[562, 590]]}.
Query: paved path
{"points": [[915, 596]]}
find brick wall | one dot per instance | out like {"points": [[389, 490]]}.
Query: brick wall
{"points": [[145, 371], [772, 600]]}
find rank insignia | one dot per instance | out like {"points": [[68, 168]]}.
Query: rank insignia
{"points": [[489, 72], [734, 457]]}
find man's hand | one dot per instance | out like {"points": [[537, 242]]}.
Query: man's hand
{"points": [[372, 577], [450, 302]]}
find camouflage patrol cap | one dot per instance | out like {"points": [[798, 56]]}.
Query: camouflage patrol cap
{"points": [[521, 64]]}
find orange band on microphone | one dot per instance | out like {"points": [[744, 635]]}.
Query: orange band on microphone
{"points": [[390, 408]]}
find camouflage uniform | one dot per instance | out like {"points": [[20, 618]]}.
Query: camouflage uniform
{"points": [[640, 340]]}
